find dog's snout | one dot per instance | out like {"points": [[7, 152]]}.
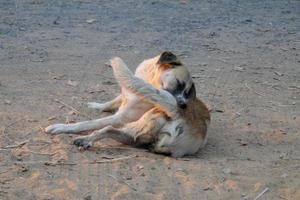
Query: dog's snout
{"points": [[182, 105], [181, 102]]}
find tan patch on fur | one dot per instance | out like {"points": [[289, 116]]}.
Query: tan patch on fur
{"points": [[165, 66]]}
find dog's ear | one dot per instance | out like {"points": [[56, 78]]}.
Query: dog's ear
{"points": [[168, 57]]}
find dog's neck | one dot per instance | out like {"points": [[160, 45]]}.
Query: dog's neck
{"points": [[151, 71]]}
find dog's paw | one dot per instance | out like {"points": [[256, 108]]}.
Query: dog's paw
{"points": [[56, 129], [95, 105], [116, 61], [83, 142]]}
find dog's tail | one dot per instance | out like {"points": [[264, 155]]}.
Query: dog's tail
{"points": [[160, 98]]}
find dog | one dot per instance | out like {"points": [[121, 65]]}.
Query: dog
{"points": [[164, 71], [169, 128]]}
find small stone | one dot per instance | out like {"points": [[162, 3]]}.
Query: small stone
{"points": [[226, 171], [139, 167], [90, 21], [72, 83], [180, 169], [51, 118], [7, 102], [282, 155], [143, 174], [89, 197], [207, 188], [284, 175], [32, 120]]}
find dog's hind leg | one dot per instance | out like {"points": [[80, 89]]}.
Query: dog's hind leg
{"points": [[107, 132], [109, 106], [141, 132], [117, 119]]}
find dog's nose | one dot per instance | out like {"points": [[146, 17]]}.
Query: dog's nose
{"points": [[181, 102], [182, 105]]}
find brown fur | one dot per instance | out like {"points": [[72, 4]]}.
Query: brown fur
{"points": [[148, 109], [168, 128], [197, 117]]}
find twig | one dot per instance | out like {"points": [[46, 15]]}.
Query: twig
{"points": [[4, 171], [9, 125], [112, 160], [281, 197], [72, 108], [222, 60], [107, 65], [46, 163], [125, 148], [262, 193], [41, 143], [58, 163], [182, 55], [3, 130], [4, 149], [16, 145], [253, 90], [294, 87], [238, 113], [40, 153], [122, 181], [278, 73]]}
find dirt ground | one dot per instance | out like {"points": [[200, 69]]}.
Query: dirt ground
{"points": [[244, 58]]}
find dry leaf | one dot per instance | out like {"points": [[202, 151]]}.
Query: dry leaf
{"points": [[51, 118]]}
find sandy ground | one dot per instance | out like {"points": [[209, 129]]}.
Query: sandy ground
{"points": [[244, 58]]}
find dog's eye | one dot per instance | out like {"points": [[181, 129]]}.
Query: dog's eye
{"points": [[176, 89], [180, 85], [179, 129]]}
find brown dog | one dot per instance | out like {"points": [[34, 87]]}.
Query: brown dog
{"points": [[169, 128], [164, 71]]}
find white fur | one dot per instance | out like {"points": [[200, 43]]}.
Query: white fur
{"points": [[95, 105], [140, 97]]}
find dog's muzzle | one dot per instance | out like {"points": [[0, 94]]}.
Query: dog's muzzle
{"points": [[181, 102]]}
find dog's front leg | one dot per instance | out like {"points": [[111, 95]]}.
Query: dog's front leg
{"points": [[107, 132]]}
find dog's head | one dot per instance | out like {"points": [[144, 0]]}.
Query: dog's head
{"points": [[176, 79]]}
